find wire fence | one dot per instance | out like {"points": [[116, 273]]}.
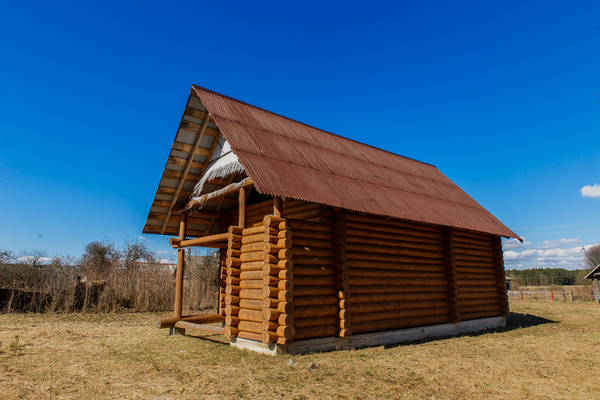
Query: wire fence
{"points": [[574, 294]]}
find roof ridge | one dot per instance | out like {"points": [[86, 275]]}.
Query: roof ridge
{"points": [[305, 124]]}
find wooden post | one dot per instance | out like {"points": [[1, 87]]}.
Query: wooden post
{"points": [[500, 274], [278, 207], [180, 268], [450, 263], [242, 205]]}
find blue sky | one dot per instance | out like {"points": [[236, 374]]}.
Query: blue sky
{"points": [[501, 96]]}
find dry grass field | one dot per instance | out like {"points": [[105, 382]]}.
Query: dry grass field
{"points": [[549, 350]]}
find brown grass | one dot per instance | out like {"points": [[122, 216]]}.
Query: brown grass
{"points": [[550, 350]]}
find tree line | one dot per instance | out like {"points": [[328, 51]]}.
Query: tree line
{"points": [[105, 278]]}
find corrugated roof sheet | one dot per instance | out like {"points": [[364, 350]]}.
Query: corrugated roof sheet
{"points": [[294, 160]]}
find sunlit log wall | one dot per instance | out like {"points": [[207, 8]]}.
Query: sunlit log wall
{"points": [[319, 273]]}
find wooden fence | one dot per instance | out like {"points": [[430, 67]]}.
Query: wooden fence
{"points": [[575, 294]]}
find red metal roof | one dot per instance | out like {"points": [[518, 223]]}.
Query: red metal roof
{"points": [[294, 160]]}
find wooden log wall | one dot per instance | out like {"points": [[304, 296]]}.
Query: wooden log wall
{"points": [[261, 291], [396, 272], [479, 275], [295, 209], [315, 295], [231, 298]]}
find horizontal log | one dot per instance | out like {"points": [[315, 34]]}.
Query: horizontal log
{"points": [[299, 251], [284, 295], [285, 319], [490, 294], [296, 224], [285, 275], [230, 331], [201, 241], [313, 270], [270, 314], [480, 308], [314, 290], [285, 264], [286, 332], [285, 307], [305, 280], [462, 257], [252, 284], [251, 294], [412, 266], [251, 304], [320, 321], [256, 230], [397, 314], [356, 249], [394, 297], [231, 309], [285, 285], [478, 301], [396, 289], [301, 301], [471, 276], [271, 269], [313, 242], [233, 253], [253, 247], [412, 308], [253, 239], [476, 264], [231, 320], [372, 326], [284, 254], [309, 214], [198, 319], [314, 311], [313, 235], [231, 299], [269, 280], [232, 280], [475, 282], [232, 262], [477, 270], [464, 234], [368, 228], [299, 208], [232, 290], [480, 314], [392, 222], [366, 256], [250, 326], [283, 341], [249, 275], [389, 238], [269, 337], [388, 273], [252, 257], [315, 332], [269, 325], [233, 271], [250, 335], [308, 261], [271, 221], [363, 280], [392, 240]]}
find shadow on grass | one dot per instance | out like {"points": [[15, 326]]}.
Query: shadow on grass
{"points": [[513, 322]]}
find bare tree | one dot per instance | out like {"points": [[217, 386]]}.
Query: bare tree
{"points": [[591, 259], [98, 259]]}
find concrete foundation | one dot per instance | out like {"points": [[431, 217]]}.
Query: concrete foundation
{"points": [[372, 339]]}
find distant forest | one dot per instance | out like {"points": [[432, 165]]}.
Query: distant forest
{"points": [[548, 276]]}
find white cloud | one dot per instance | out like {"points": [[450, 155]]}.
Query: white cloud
{"points": [[591, 191], [558, 253]]}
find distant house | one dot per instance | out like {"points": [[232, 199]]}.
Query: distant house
{"points": [[594, 275], [325, 242]]}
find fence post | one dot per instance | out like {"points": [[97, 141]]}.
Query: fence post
{"points": [[552, 294], [521, 295]]}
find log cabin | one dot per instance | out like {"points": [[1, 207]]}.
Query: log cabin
{"points": [[325, 242]]}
